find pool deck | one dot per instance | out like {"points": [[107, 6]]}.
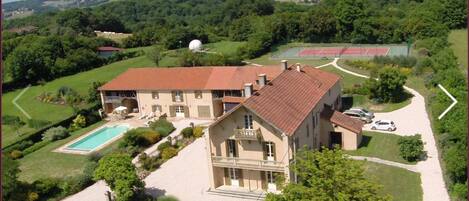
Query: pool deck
{"points": [[132, 121], [65, 149]]}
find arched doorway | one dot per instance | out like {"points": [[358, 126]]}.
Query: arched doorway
{"points": [[131, 104]]}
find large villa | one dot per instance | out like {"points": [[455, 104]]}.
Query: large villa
{"points": [[262, 115]]}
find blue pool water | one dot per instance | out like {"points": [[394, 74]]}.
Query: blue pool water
{"points": [[99, 137]]}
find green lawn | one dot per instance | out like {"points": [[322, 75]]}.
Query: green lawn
{"points": [[46, 163], [458, 40], [401, 184], [224, 47], [365, 102], [379, 145], [267, 60], [348, 81]]}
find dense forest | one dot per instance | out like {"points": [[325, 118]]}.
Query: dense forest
{"points": [[67, 36]]}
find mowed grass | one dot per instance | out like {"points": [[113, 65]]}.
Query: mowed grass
{"points": [[348, 80], [267, 60], [44, 163], [364, 102], [379, 145], [458, 40], [401, 184]]}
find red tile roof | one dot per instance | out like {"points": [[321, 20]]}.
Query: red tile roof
{"points": [[108, 48], [190, 78], [343, 120], [288, 99]]}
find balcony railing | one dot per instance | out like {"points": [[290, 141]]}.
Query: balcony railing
{"points": [[247, 134], [263, 165]]}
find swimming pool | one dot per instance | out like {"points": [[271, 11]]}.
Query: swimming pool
{"points": [[98, 138]]}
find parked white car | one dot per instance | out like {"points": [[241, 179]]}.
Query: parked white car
{"points": [[386, 125]]}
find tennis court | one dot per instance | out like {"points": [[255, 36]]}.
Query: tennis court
{"points": [[346, 51]]}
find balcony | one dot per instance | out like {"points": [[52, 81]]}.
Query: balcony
{"points": [[247, 134], [251, 164], [116, 99]]}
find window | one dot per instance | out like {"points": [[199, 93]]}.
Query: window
{"points": [[217, 94], [177, 96], [179, 109], [155, 95], [314, 122], [198, 94], [232, 150], [248, 121], [269, 151], [307, 130], [233, 173], [156, 108], [270, 177]]}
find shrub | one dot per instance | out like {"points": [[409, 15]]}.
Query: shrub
{"points": [[140, 137], [15, 154], [33, 196], [167, 198], [35, 147], [149, 163], [47, 187], [169, 153], [78, 122], [198, 131], [162, 126], [164, 132], [55, 133], [22, 145], [411, 147], [164, 145], [187, 132], [10, 120]]}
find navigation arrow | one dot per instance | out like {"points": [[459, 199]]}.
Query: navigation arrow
{"points": [[18, 106], [452, 104]]}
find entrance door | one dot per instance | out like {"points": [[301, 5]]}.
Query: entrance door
{"points": [[270, 151], [271, 186], [232, 148], [179, 111], [234, 177], [336, 139]]}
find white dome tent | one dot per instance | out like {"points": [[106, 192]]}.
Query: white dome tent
{"points": [[195, 45]]}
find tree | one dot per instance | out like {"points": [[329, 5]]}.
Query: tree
{"points": [[389, 86], [328, 175], [93, 93], [156, 53], [411, 147], [346, 12], [27, 64], [120, 174], [10, 183]]}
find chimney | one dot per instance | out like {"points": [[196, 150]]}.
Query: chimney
{"points": [[284, 65], [262, 79], [247, 90], [298, 67]]}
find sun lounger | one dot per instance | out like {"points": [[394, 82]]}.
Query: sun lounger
{"points": [[143, 116]]}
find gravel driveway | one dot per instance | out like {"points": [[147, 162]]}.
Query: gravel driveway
{"points": [[411, 120]]}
